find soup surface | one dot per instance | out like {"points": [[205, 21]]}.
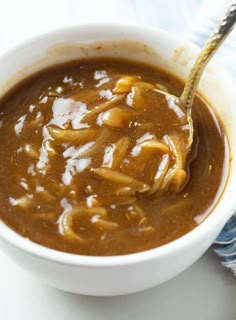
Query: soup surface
{"points": [[94, 159]]}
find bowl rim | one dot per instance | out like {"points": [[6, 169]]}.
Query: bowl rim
{"points": [[11, 237]]}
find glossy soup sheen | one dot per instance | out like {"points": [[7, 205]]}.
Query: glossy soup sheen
{"points": [[93, 159]]}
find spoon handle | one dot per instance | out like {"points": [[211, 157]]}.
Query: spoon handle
{"points": [[210, 47]]}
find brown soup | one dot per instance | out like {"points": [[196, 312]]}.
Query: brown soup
{"points": [[94, 162]]}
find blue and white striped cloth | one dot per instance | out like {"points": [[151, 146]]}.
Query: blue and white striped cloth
{"points": [[226, 245]]}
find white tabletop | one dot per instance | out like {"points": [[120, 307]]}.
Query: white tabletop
{"points": [[206, 290]]}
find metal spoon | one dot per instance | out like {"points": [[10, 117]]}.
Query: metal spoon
{"points": [[209, 49]]}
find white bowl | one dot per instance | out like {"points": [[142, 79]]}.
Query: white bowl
{"points": [[125, 274]]}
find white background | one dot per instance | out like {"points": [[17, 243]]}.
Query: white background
{"points": [[206, 291]]}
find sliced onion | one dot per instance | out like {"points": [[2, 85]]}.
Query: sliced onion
{"points": [[155, 145], [67, 220], [102, 107], [160, 174], [118, 177], [121, 148], [115, 117], [75, 136], [124, 84]]}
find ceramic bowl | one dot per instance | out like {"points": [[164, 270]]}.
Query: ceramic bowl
{"points": [[117, 275]]}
